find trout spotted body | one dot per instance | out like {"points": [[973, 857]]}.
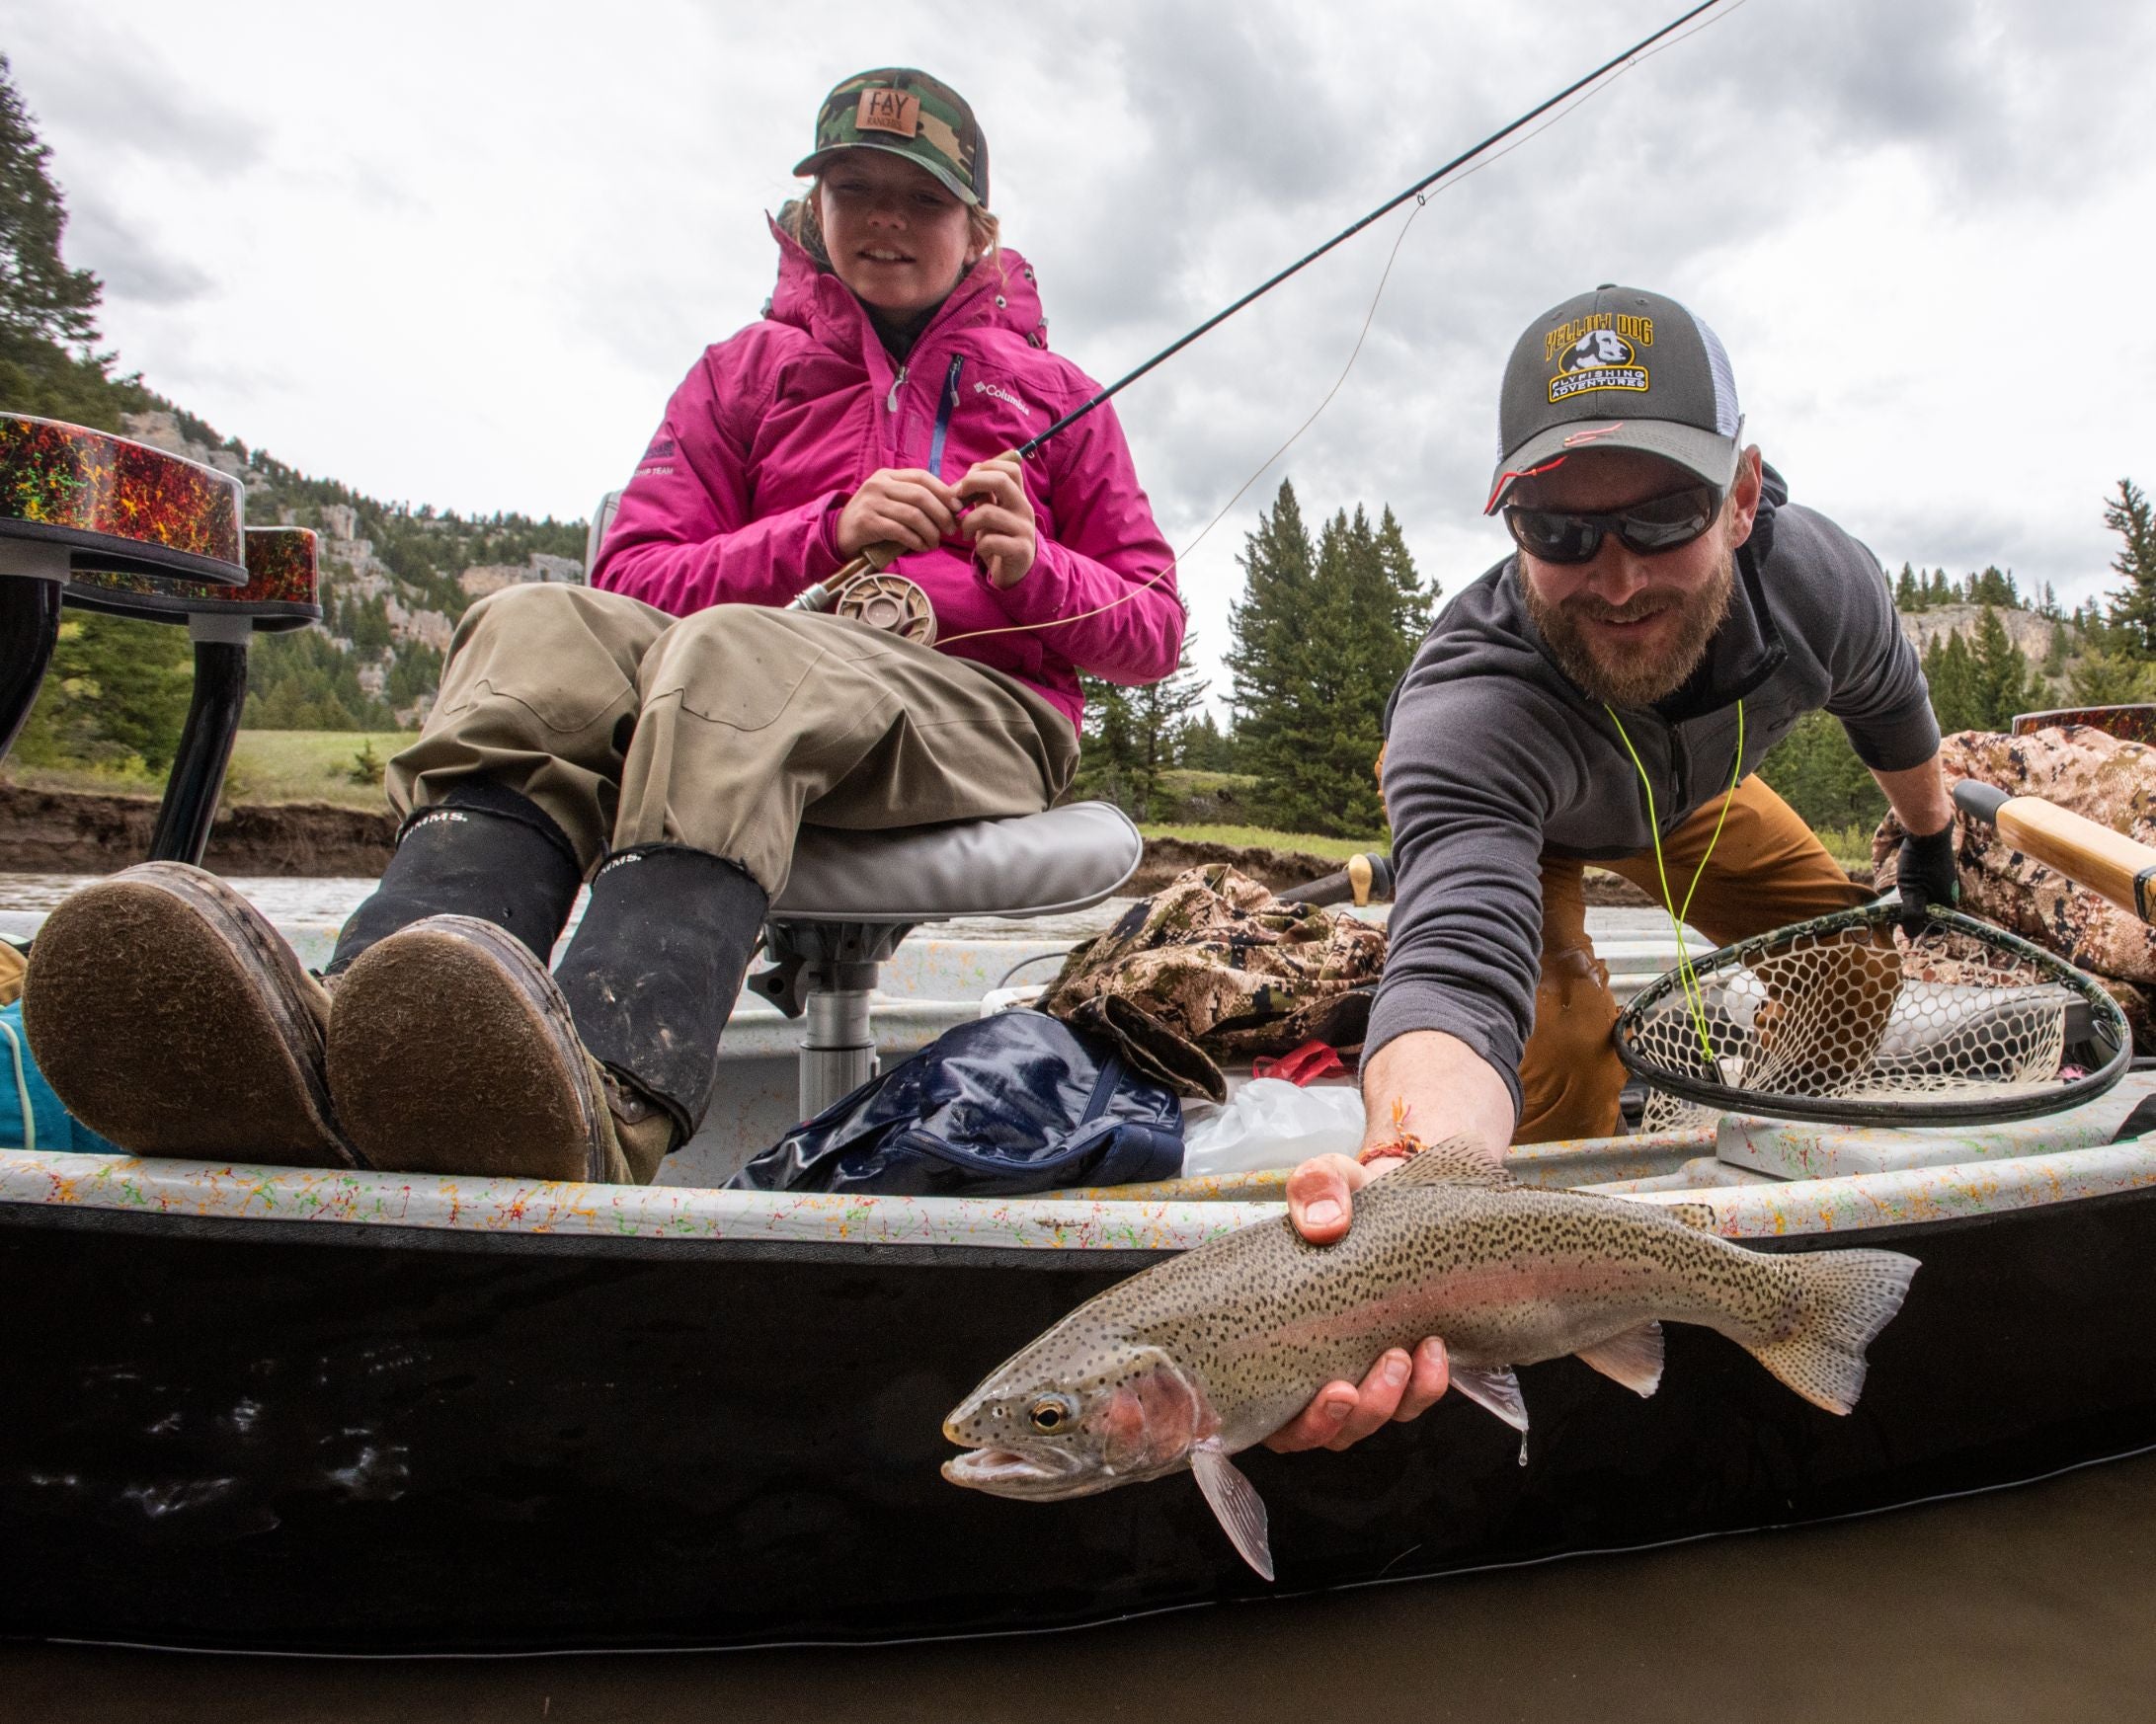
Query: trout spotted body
{"points": [[1210, 1352]]}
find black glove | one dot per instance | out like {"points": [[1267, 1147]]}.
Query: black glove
{"points": [[1928, 878]]}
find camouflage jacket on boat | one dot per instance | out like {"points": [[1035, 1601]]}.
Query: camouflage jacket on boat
{"points": [[2094, 775], [1214, 967]]}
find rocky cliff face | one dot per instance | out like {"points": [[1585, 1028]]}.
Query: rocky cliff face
{"points": [[2030, 633]]}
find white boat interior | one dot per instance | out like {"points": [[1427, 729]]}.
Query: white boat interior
{"points": [[1762, 1178]]}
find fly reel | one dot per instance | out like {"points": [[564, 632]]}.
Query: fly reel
{"points": [[890, 603], [865, 590]]}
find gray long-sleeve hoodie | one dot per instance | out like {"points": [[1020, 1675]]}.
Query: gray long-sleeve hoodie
{"points": [[1494, 757]]}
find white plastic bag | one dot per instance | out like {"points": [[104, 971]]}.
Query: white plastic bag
{"points": [[1270, 1122]]}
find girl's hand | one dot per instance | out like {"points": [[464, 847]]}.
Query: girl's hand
{"points": [[901, 506], [1000, 520]]}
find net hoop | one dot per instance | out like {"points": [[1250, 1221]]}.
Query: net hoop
{"points": [[2107, 1033]]}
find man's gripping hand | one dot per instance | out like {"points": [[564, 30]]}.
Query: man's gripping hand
{"points": [[1399, 1385], [1928, 877]]}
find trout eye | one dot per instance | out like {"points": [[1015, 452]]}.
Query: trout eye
{"points": [[1052, 1414]]}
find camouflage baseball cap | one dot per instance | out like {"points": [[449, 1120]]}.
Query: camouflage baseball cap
{"points": [[904, 112], [1616, 369]]}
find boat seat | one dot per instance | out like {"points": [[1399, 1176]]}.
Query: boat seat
{"points": [[282, 594], [854, 896], [74, 500]]}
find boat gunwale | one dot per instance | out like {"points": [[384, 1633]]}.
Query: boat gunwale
{"points": [[1086, 1233]]}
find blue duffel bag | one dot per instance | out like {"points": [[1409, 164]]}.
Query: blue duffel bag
{"points": [[30, 1115], [1018, 1101]]}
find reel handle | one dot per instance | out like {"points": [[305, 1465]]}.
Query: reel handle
{"points": [[2109, 864], [871, 560]]}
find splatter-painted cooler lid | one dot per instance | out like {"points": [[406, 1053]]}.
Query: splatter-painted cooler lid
{"points": [[281, 592], [118, 505]]}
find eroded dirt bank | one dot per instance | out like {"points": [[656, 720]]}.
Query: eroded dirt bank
{"points": [[48, 832]]}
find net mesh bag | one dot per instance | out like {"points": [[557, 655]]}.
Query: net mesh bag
{"points": [[1844, 1018]]}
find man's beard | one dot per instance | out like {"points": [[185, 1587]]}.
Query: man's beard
{"points": [[1628, 678]]}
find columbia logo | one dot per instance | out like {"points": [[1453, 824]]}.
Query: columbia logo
{"points": [[1000, 394]]}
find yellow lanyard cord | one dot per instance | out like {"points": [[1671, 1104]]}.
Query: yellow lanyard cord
{"points": [[1695, 999]]}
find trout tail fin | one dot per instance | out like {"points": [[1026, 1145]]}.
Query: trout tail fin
{"points": [[1843, 1299]]}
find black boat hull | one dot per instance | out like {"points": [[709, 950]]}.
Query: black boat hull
{"points": [[307, 1438]]}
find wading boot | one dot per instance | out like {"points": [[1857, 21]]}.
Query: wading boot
{"points": [[170, 1017], [655, 967], [482, 851], [453, 1050]]}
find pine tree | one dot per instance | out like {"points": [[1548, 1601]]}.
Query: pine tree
{"points": [[1908, 596], [40, 296], [1937, 590], [115, 688], [2111, 680], [1157, 713], [47, 309], [2000, 674], [2131, 610], [1321, 637], [1994, 585], [1204, 747], [1263, 627], [1108, 755], [1951, 671], [1817, 773]]}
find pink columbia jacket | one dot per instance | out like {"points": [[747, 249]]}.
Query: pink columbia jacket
{"points": [[737, 499]]}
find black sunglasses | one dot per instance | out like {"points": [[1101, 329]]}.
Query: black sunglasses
{"points": [[1661, 523]]}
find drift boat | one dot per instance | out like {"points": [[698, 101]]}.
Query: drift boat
{"points": [[346, 1411]]}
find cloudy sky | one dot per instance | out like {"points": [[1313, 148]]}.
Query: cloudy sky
{"points": [[454, 258]]}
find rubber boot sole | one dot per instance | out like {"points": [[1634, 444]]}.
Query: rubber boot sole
{"points": [[451, 1050], [170, 1017]]}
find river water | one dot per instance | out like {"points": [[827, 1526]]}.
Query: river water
{"points": [[2023, 1607]]}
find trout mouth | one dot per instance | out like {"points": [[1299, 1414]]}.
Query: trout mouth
{"points": [[1020, 1472]]}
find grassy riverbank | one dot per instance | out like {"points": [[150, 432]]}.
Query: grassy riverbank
{"points": [[268, 766], [287, 766]]}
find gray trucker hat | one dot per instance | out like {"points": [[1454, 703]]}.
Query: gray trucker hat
{"points": [[1616, 369]]}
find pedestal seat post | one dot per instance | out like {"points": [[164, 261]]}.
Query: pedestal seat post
{"points": [[30, 627], [852, 896]]}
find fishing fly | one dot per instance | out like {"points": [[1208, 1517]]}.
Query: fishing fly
{"points": [[864, 591]]}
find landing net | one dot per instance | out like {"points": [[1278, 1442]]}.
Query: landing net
{"points": [[1843, 1018]]}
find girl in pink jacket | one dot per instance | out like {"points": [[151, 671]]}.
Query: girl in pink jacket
{"points": [[665, 730]]}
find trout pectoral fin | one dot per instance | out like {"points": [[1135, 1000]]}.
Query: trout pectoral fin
{"points": [[1235, 1503], [1634, 1359], [1495, 1391]]}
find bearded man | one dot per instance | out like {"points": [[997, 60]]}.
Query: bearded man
{"points": [[1668, 617]]}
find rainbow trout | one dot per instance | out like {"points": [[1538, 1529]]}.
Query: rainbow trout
{"points": [[1199, 1356]]}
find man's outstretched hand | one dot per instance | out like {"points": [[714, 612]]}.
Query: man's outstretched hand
{"points": [[1399, 1385]]}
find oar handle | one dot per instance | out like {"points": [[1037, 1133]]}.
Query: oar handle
{"points": [[2109, 864], [1364, 878]]}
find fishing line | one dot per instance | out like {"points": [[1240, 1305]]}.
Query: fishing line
{"points": [[1423, 192], [1353, 228]]}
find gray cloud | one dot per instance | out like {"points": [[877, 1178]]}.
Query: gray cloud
{"points": [[114, 96], [130, 267]]}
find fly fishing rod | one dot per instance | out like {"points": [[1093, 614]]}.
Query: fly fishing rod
{"points": [[887, 606]]}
